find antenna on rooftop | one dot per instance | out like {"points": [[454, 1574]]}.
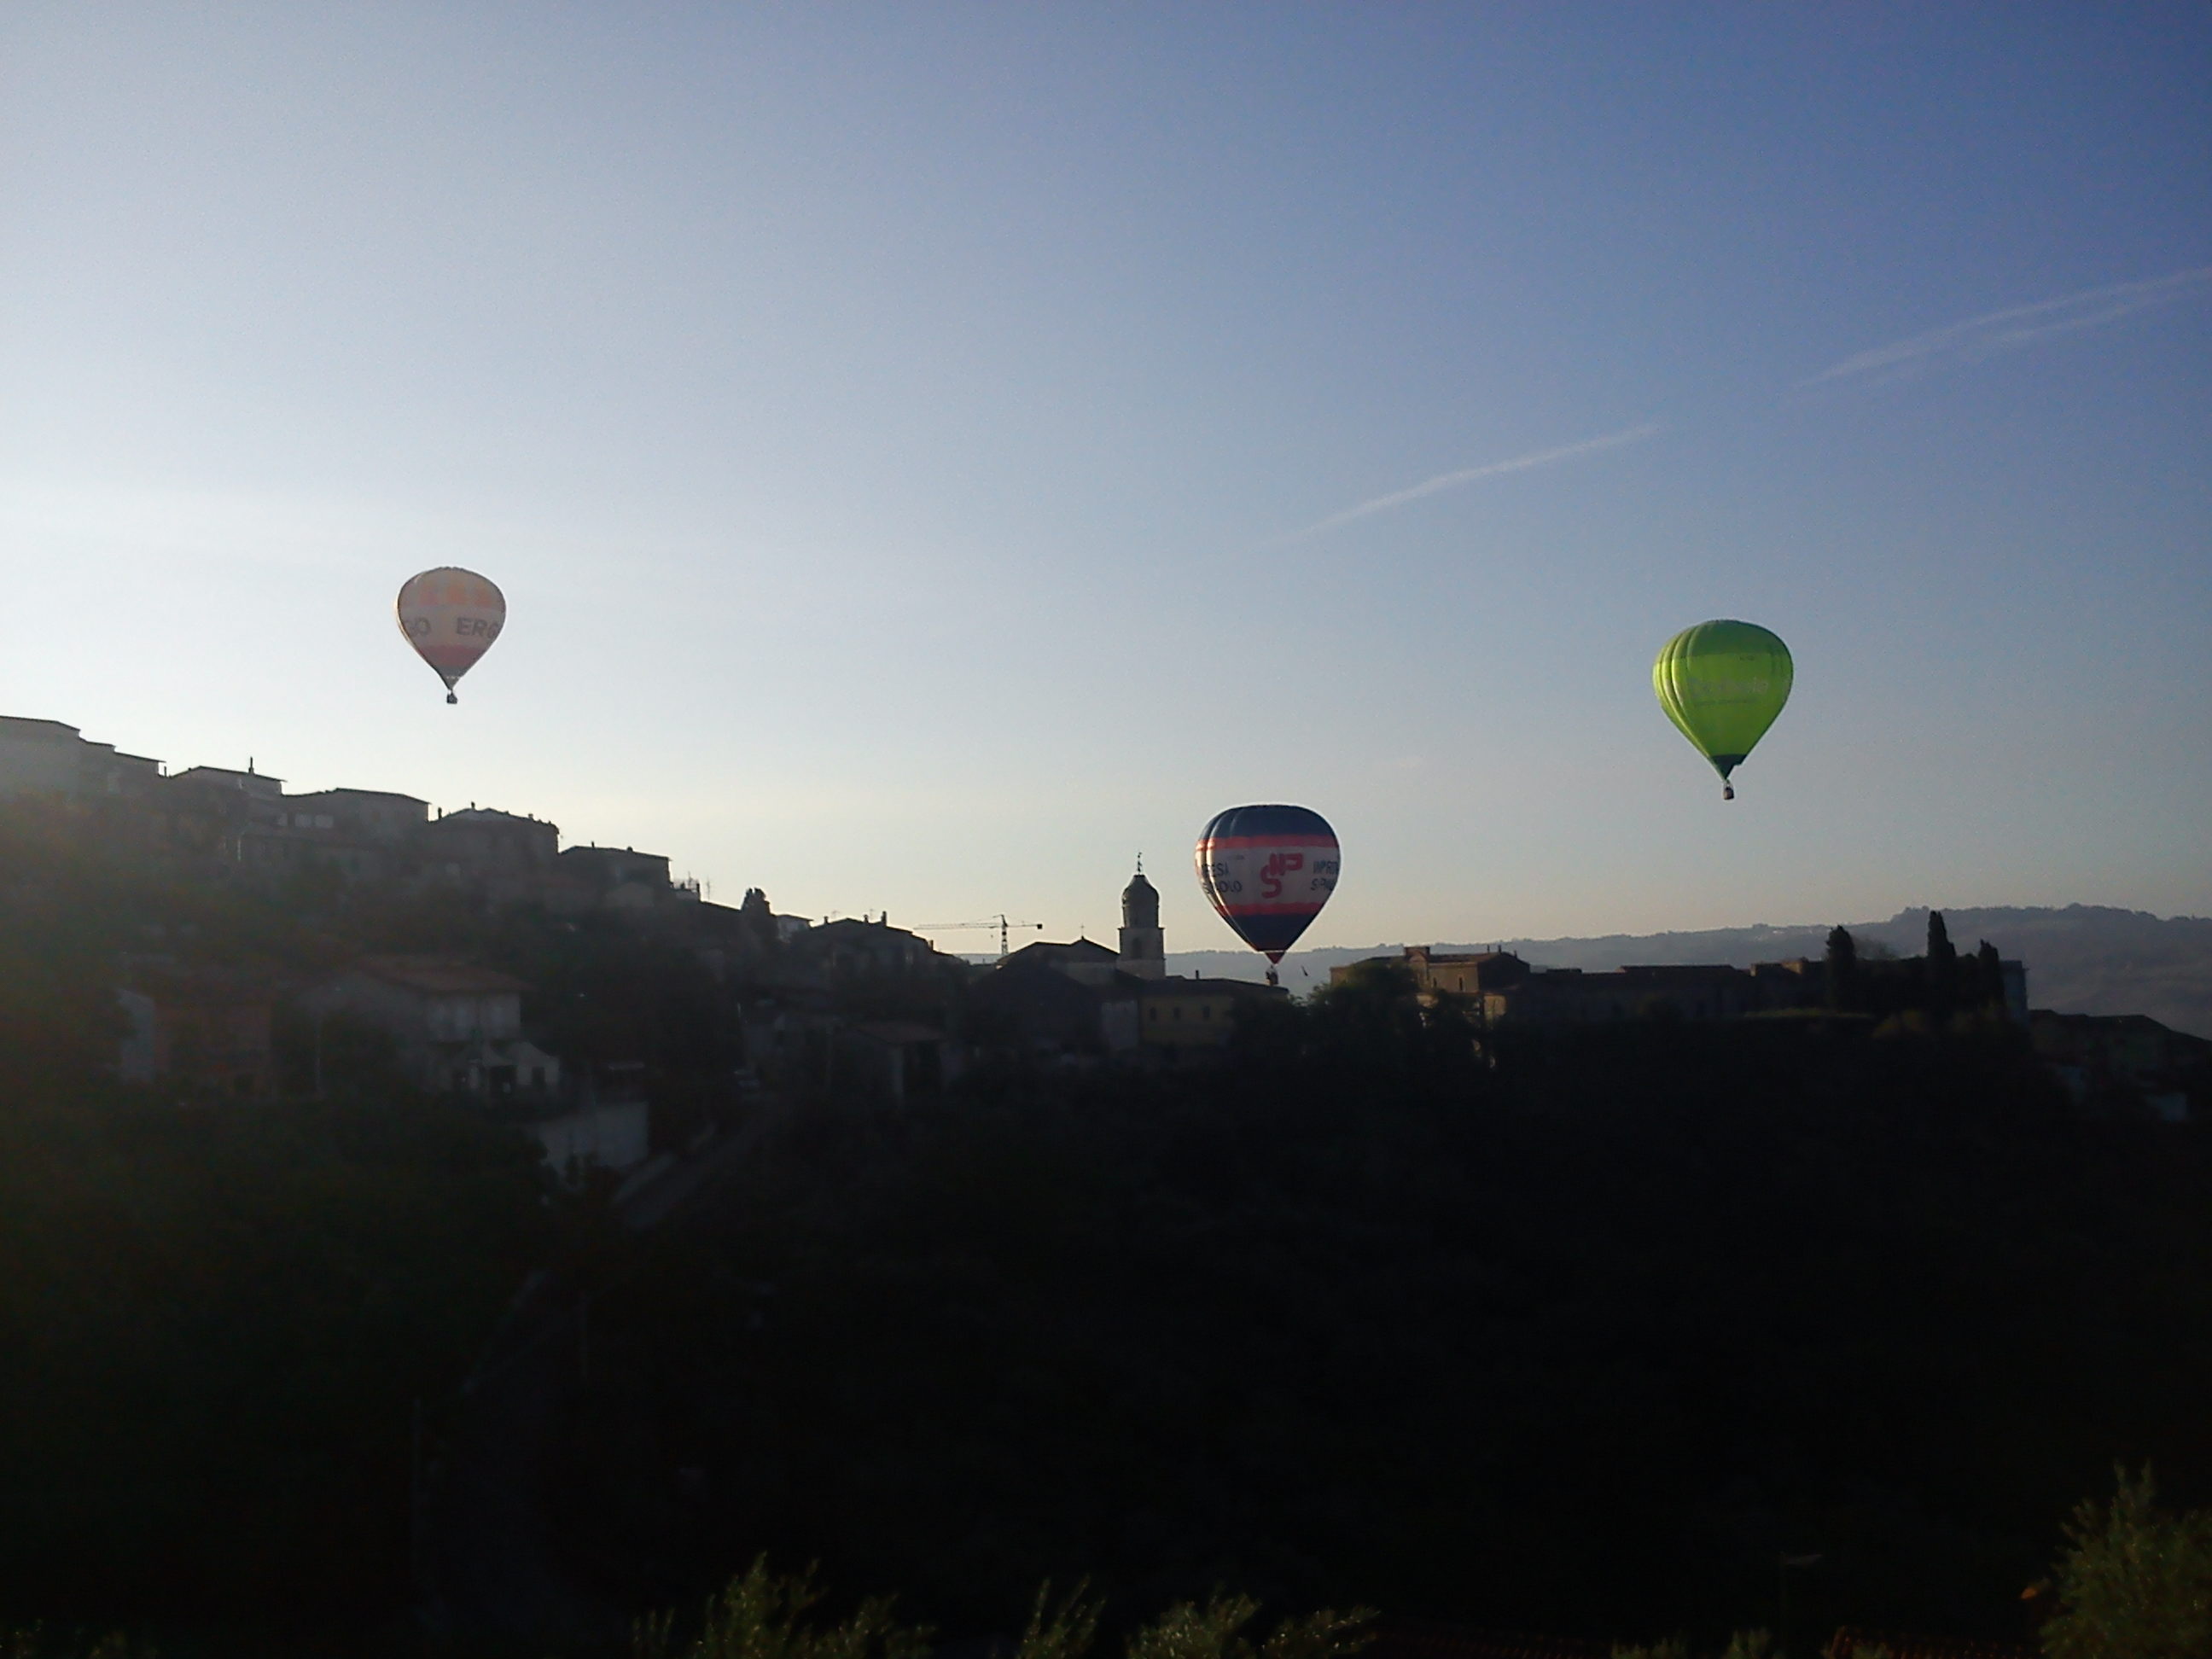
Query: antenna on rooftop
{"points": [[1000, 921]]}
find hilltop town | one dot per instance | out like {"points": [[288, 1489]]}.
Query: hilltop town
{"points": [[396, 952]]}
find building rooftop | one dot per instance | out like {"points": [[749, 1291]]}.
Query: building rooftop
{"points": [[373, 794], [490, 814], [256, 783], [1195, 986], [1045, 953], [25, 726]]}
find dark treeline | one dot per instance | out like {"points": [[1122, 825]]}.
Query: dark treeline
{"points": [[1920, 992], [1582, 1342]]}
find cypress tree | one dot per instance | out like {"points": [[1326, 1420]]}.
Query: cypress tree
{"points": [[1942, 967], [1843, 968], [1992, 976]]}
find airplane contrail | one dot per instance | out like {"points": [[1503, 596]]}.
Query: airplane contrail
{"points": [[1997, 331], [1467, 474]]}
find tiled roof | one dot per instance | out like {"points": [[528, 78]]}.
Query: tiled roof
{"points": [[377, 794], [483, 815], [1046, 950], [1173, 987]]}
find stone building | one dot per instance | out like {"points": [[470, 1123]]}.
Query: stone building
{"points": [[458, 1027], [198, 1028], [2126, 1057], [1186, 1019], [1502, 987], [46, 758], [509, 857], [853, 948], [365, 834], [622, 878]]}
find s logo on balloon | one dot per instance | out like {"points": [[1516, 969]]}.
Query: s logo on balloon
{"points": [[1268, 870]]}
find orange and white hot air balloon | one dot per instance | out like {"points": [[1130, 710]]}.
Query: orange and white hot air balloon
{"points": [[451, 616]]}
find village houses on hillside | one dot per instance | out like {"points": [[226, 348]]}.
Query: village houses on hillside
{"points": [[457, 1028], [243, 825]]}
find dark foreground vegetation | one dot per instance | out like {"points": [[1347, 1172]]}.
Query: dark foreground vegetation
{"points": [[1584, 1343], [213, 1329], [2135, 1583]]}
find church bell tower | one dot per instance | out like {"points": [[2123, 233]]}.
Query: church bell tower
{"points": [[1144, 951]]}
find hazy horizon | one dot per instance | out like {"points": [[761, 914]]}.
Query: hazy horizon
{"points": [[932, 456]]}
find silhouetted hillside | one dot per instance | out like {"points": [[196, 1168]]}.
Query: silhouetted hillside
{"points": [[1580, 1341], [2084, 959]]}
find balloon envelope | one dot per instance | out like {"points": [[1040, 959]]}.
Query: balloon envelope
{"points": [[1723, 684], [1267, 870], [451, 616]]}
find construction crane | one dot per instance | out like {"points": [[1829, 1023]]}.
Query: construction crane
{"points": [[1005, 928]]}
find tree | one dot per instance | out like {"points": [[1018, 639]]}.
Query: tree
{"points": [[2136, 1583], [1843, 968], [1991, 970], [1942, 967]]}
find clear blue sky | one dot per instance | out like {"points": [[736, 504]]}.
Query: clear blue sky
{"points": [[924, 447]]}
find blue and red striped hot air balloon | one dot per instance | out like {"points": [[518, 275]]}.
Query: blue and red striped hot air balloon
{"points": [[1268, 870]]}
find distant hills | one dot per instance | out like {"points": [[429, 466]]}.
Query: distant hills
{"points": [[2083, 959]]}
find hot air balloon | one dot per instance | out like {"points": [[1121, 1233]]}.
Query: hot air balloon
{"points": [[451, 616], [1723, 684], [1267, 870]]}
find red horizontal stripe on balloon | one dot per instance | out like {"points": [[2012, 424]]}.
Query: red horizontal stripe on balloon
{"points": [[1302, 908], [1264, 841]]}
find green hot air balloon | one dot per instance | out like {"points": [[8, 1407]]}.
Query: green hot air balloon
{"points": [[1723, 684]]}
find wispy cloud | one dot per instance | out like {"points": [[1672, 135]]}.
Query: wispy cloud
{"points": [[1999, 332], [1467, 474]]}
